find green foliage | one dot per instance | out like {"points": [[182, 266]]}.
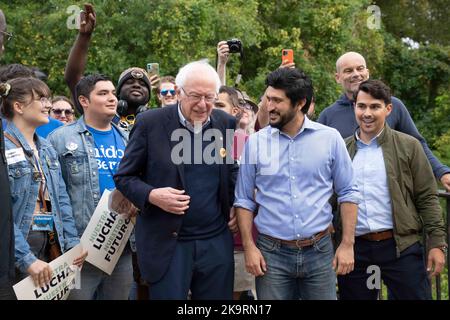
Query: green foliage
{"points": [[416, 75], [421, 20], [174, 32]]}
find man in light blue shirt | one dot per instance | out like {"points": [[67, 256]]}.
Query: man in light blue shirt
{"points": [[294, 165]]}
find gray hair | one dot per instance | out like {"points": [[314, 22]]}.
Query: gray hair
{"points": [[201, 67]]}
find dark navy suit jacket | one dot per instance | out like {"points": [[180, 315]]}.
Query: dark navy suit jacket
{"points": [[147, 165]]}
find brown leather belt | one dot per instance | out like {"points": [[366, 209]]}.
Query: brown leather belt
{"points": [[301, 243], [378, 236]]}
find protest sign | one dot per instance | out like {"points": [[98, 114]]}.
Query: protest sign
{"points": [[63, 280], [105, 236]]}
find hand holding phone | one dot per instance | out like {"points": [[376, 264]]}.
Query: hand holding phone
{"points": [[153, 69], [287, 56]]}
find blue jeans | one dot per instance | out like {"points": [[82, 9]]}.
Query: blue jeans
{"points": [[96, 284], [296, 273]]}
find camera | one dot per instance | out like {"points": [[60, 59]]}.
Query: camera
{"points": [[234, 45]]}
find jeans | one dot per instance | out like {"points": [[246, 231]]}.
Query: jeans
{"points": [[405, 276], [96, 284], [296, 273]]}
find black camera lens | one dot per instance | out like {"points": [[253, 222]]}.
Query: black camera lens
{"points": [[234, 48], [234, 45]]}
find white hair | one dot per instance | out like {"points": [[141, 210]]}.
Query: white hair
{"points": [[201, 67]]}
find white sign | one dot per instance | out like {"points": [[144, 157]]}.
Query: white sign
{"points": [[63, 280], [106, 236]]}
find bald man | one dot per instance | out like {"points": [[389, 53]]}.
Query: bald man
{"points": [[351, 70], [6, 224]]}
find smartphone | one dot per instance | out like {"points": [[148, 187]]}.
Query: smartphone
{"points": [[153, 69], [287, 56]]}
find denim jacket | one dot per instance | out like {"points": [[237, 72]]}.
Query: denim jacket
{"points": [[24, 193], [76, 151]]}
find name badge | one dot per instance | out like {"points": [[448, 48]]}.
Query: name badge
{"points": [[14, 155], [42, 222]]}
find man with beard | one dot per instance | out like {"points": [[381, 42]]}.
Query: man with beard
{"points": [[294, 164], [6, 223], [351, 70], [134, 85], [133, 91]]}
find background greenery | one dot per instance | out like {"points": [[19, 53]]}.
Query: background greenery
{"points": [[172, 33]]}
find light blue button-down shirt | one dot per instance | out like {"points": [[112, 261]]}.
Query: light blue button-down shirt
{"points": [[374, 210], [294, 179]]}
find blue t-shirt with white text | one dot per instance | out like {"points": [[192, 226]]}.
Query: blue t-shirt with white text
{"points": [[109, 150]]}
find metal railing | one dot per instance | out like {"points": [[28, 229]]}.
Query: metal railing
{"points": [[446, 196]]}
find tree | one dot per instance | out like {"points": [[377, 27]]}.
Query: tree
{"points": [[425, 21]]}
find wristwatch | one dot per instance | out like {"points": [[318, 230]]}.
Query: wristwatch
{"points": [[444, 249]]}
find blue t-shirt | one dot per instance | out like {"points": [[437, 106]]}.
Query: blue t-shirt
{"points": [[109, 150], [44, 130]]}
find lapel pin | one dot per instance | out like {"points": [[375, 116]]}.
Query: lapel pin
{"points": [[71, 146], [223, 152]]}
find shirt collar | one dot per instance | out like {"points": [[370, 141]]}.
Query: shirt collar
{"points": [[307, 124], [189, 125], [371, 140]]}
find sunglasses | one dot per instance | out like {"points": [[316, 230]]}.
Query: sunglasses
{"points": [[58, 112], [164, 92]]}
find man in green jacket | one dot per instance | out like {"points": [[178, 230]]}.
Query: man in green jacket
{"points": [[400, 200]]}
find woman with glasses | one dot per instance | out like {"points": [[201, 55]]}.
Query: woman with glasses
{"points": [[62, 110], [166, 91], [43, 221]]}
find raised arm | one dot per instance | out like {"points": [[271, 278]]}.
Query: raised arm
{"points": [[76, 63], [222, 53]]}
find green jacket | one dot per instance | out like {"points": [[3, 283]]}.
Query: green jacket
{"points": [[413, 189]]}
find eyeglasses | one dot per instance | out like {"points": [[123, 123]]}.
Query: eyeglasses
{"points": [[196, 98], [164, 92], [67, 112], [247, 106], [8, 35], [44, 101]]}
